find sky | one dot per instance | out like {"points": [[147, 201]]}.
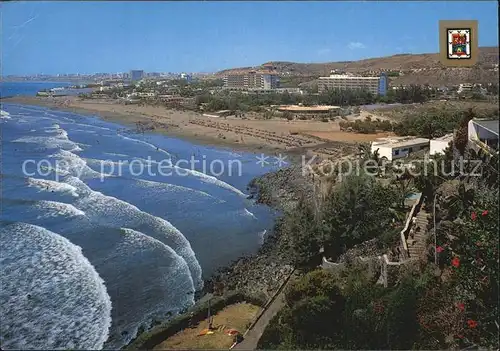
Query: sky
{"points": [[51, 37]]}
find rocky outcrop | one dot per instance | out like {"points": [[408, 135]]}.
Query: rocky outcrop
{"points": [[283, 188], [263, 273], [369, 248]]}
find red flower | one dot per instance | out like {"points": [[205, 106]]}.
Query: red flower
{"points": [[461, 306], [378, 307], [472, 323], [473, 216], [455, 262], [439, 249], [485, 212]]}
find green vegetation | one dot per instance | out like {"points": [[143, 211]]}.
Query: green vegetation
{"points": [[226, 100], [346, 311], [393, 74], [428, 124], [295, 81], [358, 209], [448, 305]]}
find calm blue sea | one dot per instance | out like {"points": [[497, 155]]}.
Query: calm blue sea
{"points": [[28, 88], [103, 230]]}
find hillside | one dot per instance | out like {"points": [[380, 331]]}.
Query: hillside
{"points": [[413, 68]]}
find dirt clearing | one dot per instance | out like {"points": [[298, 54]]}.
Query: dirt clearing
{"points": [[237, 316]]}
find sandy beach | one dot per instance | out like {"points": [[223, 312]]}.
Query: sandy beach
{"points": [[249, 134]]}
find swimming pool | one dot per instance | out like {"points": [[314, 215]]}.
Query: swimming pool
{"points": [[413, 196]]}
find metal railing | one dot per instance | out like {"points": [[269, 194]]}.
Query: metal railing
{"points": [[409, 221]]}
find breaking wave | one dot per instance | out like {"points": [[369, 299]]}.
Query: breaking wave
{"points": [[115, 212], [72, 164], [4, 114], [144, 143], [51, 296], [48, 142], [248, 213], [168, 276], [117, 228], [51, 185], [55, 209]]}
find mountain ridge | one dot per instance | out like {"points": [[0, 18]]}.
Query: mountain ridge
{"points": [[412, 68]]}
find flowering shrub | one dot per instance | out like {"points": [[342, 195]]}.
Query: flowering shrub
{"points": [[441, 320], [471, 255]]}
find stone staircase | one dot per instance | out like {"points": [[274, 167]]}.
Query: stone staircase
{"points": [[417, 238]]}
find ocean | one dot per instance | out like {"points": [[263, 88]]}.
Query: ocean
{"points": [[104, 230], [30, 88]]}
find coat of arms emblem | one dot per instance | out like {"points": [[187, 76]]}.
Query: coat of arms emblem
{"points": [[458, 41], [459, 44]]}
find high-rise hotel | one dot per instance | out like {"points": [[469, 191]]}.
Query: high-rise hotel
{"points": [[375, 85], [251, 80]]}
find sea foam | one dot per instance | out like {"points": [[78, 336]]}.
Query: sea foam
{"points": [[51, 296], [115, 212], [53, 186], [4, 114], [164, 290]]}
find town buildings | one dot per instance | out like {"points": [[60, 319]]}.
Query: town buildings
{"points": [[187, 77], [264, 80], [136, 75], [298, 109], [483, 135], [375, 85], [383, 84], [392, 148], [465, 87]]}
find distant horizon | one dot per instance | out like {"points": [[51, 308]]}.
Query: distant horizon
{"points": [[47, 38], [228, 68]]}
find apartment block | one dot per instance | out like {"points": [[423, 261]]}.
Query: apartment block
{"points": [[483, 134], [251, 80], [375, 85], [136, 75]]}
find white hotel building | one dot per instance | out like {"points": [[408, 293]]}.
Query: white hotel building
{"points": [[375, 85]]}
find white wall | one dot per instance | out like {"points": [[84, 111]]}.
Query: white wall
{"points": [[389, 152], [472, 131], [382, 151], [438, 146], [395, 153]]}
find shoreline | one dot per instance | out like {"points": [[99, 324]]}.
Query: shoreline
{"points": [[246, 134], [143, 121], [261, 273], [130, 120]]}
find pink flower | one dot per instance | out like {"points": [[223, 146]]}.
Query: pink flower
{"points": [[461, 306], [439, 249], [485, 212], [473, 216]]}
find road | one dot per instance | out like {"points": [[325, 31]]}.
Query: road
{"points": [[254, 334], [252, 337]]}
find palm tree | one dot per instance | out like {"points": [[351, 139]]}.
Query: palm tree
{"points": [[405, 186], [461, 202], [367, 155], [461, 136]]}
